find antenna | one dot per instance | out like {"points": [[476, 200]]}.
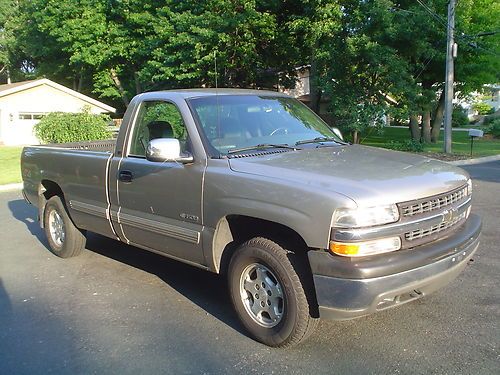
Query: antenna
{"points": [[215, 64]]}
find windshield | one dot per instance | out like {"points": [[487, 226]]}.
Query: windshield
{"points": [[238, 122]]}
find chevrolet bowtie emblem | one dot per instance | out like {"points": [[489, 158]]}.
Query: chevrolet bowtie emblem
{"points": [[449, 215]]}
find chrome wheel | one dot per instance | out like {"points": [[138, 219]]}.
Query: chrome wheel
{"points": [[56, 228], [262, 295]]}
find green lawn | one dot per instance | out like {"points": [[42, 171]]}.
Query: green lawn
{"points": [[9, 162], [460, 145]]}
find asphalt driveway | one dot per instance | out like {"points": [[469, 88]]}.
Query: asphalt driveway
{"points": [[116, 309]]}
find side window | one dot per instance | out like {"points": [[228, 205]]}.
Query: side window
{"points": [[157, 119]]}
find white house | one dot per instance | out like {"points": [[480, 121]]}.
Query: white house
{"points": [[22, 105]]}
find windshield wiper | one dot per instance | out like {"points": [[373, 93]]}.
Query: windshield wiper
{"points": [[318, 140], [261, 146]]}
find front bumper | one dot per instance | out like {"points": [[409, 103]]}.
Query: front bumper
{"points": [[348, 288]]}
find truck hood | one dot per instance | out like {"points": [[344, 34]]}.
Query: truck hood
{"points": [[368, 175]]}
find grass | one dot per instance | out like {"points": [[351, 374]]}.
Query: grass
{"points": [[9, 160], [460, 139]]}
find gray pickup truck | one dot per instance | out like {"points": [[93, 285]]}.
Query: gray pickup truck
{"points": [[253, 185]]}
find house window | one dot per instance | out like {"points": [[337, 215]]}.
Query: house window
{"points": [[30, 116]]}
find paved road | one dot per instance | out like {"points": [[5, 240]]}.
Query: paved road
{"points": [[116, 309]]}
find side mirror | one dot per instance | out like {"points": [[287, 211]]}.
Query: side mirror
{"points": [[338, 133], [166, 149]]}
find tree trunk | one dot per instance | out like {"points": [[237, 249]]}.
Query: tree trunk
{"points": [[355, 137], [426, 126], [118, 84], [314, 91], [414, 128], [80, 83], [438, 119], [138, 87]]}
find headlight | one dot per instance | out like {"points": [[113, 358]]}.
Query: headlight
{"points": [[365, 217], [358, 249], [469, 186]]}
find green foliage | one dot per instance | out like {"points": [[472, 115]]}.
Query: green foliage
{"points": [[482, 108], [360, 52], [59, 127], [409, 145], [494, 128], [459, 118], [488, 120]]}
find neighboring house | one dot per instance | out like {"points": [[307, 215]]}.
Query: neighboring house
{"points": [[493, 94], [302, 91], [490, 95], [23, 104]]}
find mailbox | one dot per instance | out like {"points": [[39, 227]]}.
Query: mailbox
{"points": [[475, 133]]}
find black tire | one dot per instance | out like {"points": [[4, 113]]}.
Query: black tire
{"points": [[294, 322], [56, 221]]}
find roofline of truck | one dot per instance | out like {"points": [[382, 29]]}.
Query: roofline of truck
{"points": [[202, 92]]}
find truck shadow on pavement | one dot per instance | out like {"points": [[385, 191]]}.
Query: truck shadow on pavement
{"points": [[212, 296], [205, 289], [27, 214]]}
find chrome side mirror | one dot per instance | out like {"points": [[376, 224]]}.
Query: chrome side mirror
{"points": [[338, 133], [166, 149]]}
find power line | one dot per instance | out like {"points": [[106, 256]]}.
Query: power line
{"points": [[433, 13], [424, 67], [461, 36]]}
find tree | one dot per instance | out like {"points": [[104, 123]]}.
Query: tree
{"points": [[190, 35], [424, 48], [353, 65]]}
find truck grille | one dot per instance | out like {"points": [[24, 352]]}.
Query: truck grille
{"points": [[433, 203], [433, 207], [422, 233]]}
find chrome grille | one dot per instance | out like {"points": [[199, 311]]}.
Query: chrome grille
{"points": [[421, 233], [433, 203]]}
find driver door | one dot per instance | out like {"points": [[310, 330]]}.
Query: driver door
{"points": [[160, 202]]}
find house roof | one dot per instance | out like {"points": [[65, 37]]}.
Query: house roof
{"points": [[16, 87]]}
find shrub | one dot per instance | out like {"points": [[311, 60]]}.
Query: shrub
{"points": [[494, 128], [410, 145], [488, 120], [459, 118], [482, 108], [59, 127]]}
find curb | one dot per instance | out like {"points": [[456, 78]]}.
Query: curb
{"points": [[475, 161], [9, 187]]}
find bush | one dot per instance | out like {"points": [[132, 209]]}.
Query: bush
{"points": [[482, 108], [59, 127], [410, 145], [494, 128], [459, 118], [488, 120]]}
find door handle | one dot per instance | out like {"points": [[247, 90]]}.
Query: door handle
{"points": [[125, 176]]}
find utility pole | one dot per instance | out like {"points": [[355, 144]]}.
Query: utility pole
{"points": [[448, 93]]}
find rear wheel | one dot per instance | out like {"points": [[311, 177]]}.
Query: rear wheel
{"points": [[269, 289], [65, 239]]}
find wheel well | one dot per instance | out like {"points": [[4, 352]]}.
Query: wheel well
{"points": [[233, 230], [47, 190]]}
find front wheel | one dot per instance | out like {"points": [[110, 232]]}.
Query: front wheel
{"points": [[65, 239], [269, 290]]}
